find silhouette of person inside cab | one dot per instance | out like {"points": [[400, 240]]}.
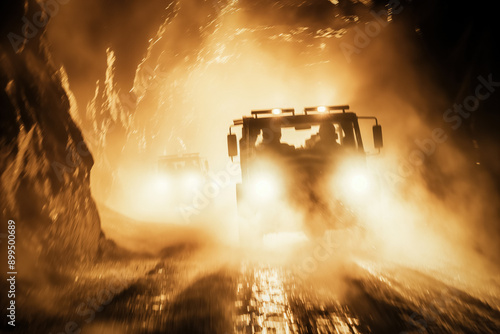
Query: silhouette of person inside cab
{"points": [[326, 139], [271, 141]]}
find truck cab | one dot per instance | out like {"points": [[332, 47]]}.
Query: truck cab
{"points": [[182, 175], [298, 160]]}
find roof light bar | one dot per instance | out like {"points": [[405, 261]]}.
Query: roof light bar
{"points": [[274, 111], [322, 109]]}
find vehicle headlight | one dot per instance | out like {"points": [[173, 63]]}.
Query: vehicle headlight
{"points": [[359, 183], [354, 183], [264, 187], [265, 183], [192, 181], [161, 185]]}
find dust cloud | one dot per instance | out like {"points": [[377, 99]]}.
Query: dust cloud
{"points": [[208, 65]]}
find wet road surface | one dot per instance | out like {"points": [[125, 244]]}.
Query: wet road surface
{"points": [[225, 291]]}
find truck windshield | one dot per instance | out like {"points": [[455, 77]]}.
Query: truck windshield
{"points": [[177, 165], [311, 135]]}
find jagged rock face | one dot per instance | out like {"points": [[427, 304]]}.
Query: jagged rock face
{"points": [[45, 164]]}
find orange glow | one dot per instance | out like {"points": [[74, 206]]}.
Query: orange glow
{"points": [[188, 106]]}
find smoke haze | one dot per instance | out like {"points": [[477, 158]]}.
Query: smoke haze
{"points": [[173, 75]]}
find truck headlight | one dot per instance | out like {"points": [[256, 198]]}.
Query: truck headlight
{"points": [[192, 181], [353, 182], [265, 187], [161, 185], [359, 183], [265, 183]]}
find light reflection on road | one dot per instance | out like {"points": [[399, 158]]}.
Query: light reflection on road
{"points": [[264, 307]]}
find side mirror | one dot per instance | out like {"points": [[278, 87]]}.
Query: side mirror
{"points": [[378, 142], [232, 145]]}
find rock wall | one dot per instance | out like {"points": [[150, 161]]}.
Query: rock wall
{"points": [[44, 161]]}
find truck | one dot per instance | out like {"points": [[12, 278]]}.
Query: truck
{"points": [[182, 175], [311, 163]]}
